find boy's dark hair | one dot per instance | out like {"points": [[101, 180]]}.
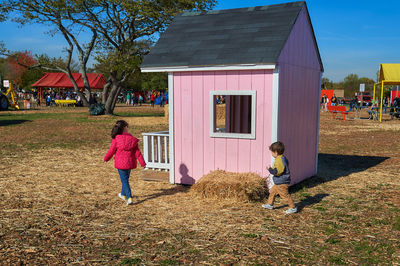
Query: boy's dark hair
{"points": [[277, 147], [118, 128]]}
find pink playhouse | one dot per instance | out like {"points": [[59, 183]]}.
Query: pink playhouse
{"points": [[239, 80]]}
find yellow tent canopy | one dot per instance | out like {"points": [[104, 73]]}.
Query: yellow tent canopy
{"points": [[389, 74]]}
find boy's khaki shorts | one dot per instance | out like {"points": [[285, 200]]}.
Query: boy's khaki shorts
{"points": [[283, 191]]}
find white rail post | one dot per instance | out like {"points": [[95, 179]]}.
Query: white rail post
{"points": [[152, 149], [166, 149], [159, 149], [146, 148]]}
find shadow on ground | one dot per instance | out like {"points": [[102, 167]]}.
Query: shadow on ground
{"points": [[310, 200], [334, 166], [138, 114], [4, 123], [164, 192]]}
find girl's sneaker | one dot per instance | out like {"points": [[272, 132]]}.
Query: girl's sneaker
{"points": [[130, 201], [122, 197], [267, 206], [292, 210]]}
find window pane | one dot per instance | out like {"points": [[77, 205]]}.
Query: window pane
{"points": [[232, 113]]}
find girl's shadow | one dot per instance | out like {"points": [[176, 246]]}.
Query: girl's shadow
{"points": [[164, 192]]}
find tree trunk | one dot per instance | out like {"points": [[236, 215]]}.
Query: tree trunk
{"points": [[120, 87], [85, 102], [106, 91], [112, 89], [88, 99], [111, 101], [113, 93], [83, 98]]}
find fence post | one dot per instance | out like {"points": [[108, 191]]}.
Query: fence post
{"points": [[152, 149], [159, 150], [166, 150], [146, 148]]}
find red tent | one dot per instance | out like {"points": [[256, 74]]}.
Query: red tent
{"points": [[61, 80], [328, 93]]}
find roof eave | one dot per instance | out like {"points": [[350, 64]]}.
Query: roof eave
{"points": [[209, 68]]}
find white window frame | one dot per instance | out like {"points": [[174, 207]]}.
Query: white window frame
{"points": [[252, 135]]}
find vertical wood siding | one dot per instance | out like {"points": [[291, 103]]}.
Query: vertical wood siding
{"points": [[299, 100], [196, 153]]}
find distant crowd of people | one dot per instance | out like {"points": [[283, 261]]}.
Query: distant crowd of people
{"points": [[355, 103], [48, 97], [51, 96], [138, 98]]}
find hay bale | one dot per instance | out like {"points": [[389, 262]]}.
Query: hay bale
{"points": [[225, 185]]}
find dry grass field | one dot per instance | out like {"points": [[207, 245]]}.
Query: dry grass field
{"points": [[59, 201]]}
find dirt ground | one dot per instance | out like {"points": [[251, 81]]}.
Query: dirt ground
{"points": [[59, 202]]}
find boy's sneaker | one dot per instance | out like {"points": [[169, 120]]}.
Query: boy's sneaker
{"points": [[130, 201], [292, 210], [122, 197], [267, 206]]}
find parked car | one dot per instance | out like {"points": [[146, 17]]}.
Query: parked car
{"points": [[366, 98]]}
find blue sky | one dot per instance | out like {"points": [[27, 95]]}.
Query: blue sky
{"points": [[353, 36]]}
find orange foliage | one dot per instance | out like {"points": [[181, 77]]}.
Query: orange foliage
{"points": [[18, 65]]}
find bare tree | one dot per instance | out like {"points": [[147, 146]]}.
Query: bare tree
{"points": [[121, 32], [57, 14], [126, 30]]}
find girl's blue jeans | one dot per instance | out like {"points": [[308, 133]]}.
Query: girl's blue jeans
{"points": [[126, 189]]}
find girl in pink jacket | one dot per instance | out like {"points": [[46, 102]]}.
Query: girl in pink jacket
{"points": [[126, 150]]}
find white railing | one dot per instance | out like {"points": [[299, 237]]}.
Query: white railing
{"points": [[156, 150]]}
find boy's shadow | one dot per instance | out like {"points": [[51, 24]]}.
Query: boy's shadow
{"points": [[335, 166], [308, 201]]}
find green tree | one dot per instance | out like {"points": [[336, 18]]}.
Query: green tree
{"points": [[3, 49], [126, 30], [34, 74], [154, 81], [60, 16], [350, 84], [326, 83], [56, 62], [351, 81], [138, 80], [121, 31]]}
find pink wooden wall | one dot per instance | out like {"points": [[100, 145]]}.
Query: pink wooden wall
{"points": [[196, 153], [300, 72]]}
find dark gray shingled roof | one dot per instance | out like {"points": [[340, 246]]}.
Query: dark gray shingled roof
{"points": [[254, 35]]}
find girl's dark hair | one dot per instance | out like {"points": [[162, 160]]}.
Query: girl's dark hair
{"points": [[118, 128]]}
